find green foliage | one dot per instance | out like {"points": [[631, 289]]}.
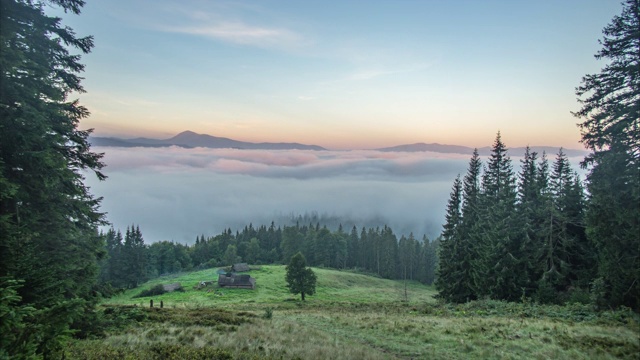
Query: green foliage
{"points": [[48, 218], [450, 270], [300, 279], [14, 328], [503, 241], [610, 126], [154, 291], [99, 351], [268, 313], [230, 255]]}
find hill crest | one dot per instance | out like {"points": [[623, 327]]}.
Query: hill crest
{"points": [[190, 139]]}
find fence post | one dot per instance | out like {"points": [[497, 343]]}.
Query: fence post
{"points": [[151, 303]]}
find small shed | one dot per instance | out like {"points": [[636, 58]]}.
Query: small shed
{"points": [[172, 287], [240, 267], [236, 281]]}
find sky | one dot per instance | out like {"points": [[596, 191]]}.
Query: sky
{"points": [[341, 74], [350, 76]]}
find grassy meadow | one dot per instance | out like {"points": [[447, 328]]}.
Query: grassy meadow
{"points": [[351, 316]]}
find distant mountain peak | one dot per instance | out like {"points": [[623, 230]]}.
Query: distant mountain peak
{"points": [[191, 139]]}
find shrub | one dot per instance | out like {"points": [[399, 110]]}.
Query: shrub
{"points": [[154, 291], [268, 313]]}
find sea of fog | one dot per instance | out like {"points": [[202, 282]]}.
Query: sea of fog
{"points": [[177, 194]]}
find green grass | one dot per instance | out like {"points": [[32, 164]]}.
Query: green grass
{"points": [[333, 286], [352, 316]]}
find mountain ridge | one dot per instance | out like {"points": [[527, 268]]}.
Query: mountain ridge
{"points": [[190, 139], [483, 151]]}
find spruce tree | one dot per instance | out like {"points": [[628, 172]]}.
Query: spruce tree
{"points": [[531, 217], [291, 243], [388, 254], [470, 248], [134, 257], [428, 260], [49, 244], [353, 249], [499, 249], [449, 279], [611, 130]]}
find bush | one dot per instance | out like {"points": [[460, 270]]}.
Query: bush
{"points": [[578, 296], [268, 313], [154, 291]]}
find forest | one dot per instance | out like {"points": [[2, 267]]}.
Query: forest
{"points": [[541, 235], [377, 251]]}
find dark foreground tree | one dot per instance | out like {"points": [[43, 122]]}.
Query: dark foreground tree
{"points": [[300, 279], [611, 130], [49, 243]]}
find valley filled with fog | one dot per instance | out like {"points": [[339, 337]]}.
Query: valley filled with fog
{"points": [[177, 194]]}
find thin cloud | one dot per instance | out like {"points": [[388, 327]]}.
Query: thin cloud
{"points": [[240, 33], [365, 73]]}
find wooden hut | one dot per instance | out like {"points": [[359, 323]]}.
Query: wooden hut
{"points": [[236, 281]]}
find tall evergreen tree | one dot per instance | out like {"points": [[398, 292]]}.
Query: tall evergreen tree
{"points": [[429, 256], [469, 231], [499, 247], [450, 281], [134, 255], [48, 218], [353, 248], [340, 250], [388, 255], [291, 243], [568, 251], [531, 217], [611, 130]]}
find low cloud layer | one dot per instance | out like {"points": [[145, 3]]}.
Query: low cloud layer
{"points": [[177, 194]]}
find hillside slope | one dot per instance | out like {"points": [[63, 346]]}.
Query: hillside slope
{"points": [[333, 286]]}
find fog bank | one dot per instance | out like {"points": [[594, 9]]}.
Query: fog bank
{"points": [[177, 194]]}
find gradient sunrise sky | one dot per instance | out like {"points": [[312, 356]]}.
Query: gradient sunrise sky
{"points": [[341, 74]]}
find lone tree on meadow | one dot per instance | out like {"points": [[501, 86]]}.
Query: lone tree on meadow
{"points": [[300, 279]]}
